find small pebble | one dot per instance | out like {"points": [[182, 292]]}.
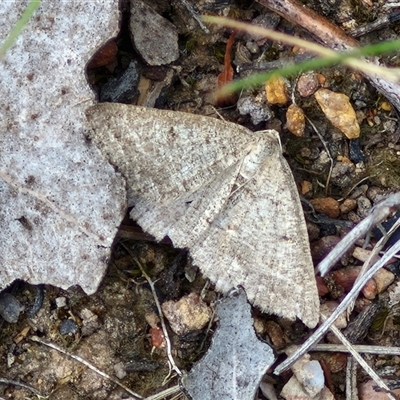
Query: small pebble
{"points": [[295, 120], [339, 111], [68, 327], [256, 107], [153, 36], [276, 334], [276, 91], [123, 88], [119, 370], [347, 206], [327, 206], [308, 84], [187, 314], [328, 308], [363, 206], [323, 246], [10, 307], [61, 302]]}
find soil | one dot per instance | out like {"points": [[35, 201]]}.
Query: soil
{"points": [[112, 329]]}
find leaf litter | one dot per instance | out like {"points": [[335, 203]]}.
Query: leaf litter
{"points": [[308, 147]]}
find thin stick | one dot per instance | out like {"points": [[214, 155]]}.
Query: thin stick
{"points": [[361, 348], [359, 359], [378, 213], [167, 392], [84, 362], [330, 35], [161, 315], [328, 179], [4, 381], [320, 332]]}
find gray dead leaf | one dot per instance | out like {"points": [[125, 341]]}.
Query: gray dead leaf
{"points": [[154, 37], [236, 361], [221, 191], [60, 204]]}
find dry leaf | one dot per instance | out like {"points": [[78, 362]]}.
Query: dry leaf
{"points": [[237, 359], [60, 203]]}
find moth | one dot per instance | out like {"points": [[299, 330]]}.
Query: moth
{"points": [[225, 193]]}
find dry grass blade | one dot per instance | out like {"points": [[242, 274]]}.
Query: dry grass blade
{"points": [[360, 348], [358, 358], [87, 364], [359, 64], [379, 213], [320, 332]]}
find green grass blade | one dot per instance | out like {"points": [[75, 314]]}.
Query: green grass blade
{"points": [[19, 26]]}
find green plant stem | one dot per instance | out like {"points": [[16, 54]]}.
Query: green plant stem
{"points": [[329, 57], [19, 26]]}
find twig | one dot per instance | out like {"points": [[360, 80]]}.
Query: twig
{"points": [[378, 213], [167, 392], [331, 36], [361, 348], [359, 359], [320, 332], [195, 15], [379, 23], [4, 381], [351, 379], [161, 315], [84, 362], [328, 179]]}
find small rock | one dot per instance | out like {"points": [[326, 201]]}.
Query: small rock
{"points": [[309, 374], [119, 370], [187, 314], [68, 327], [381, 280], [355, 153], [104, 55], [123, 88], [366, 391], [276, 91], [295, 120], [275, 333], [257, 108], [339, 111], [268, 390], [323, 246], [10, 307], [328, 308], [61, 302], [347, 206], [308, 84], [342, 172], [327, 206], [90, 322], [306, 187], [335, 362], [346, 277], [313, 230], [321, 286], [363, 206], [153, 36]]}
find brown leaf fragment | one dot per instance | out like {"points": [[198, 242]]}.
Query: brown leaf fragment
{"points": [[226, 76]]}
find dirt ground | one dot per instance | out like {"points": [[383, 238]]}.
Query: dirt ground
{"points": [[116, 329]]}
